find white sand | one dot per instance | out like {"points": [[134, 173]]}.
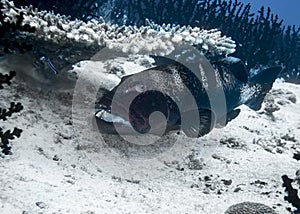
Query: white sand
{"points": [[80, 181]]}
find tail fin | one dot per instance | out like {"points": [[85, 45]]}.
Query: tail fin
{"points": [[264, 80]]}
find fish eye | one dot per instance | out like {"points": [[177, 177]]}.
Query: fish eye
{"points": [[136, 87], [140, 88]]}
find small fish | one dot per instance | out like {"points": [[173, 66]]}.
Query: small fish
{"points": [[49, 63], [51, 66]]}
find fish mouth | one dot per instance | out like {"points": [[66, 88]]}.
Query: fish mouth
{"points": [[121, 118], [112, 117], [127, 116], [105, 115]]}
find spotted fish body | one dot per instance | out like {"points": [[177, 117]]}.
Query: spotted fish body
{"points": [[167, 88]]}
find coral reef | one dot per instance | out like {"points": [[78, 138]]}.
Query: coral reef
{"points": [[8, 135], [154, 39], [9, 39], [261, 39], [83, 9], [249, 208]]}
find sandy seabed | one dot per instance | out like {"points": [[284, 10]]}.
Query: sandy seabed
{"points": [[52, 170]]}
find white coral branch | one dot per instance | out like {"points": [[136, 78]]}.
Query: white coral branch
{"points": [[150, 39]]}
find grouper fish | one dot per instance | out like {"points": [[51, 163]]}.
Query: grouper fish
{"points": [[185, 100]]}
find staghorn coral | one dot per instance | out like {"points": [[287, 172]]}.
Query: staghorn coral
{"points": [[249, 208], [9, 41], [6, 136], [5, 113], [292, 194], [6, 78], [154, 39], [261, 39], [83, 9]]}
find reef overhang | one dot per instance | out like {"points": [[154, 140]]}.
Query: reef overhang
{"points": [[149, 39]]}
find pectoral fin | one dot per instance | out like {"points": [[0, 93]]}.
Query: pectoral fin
{"points": [[194, 126]]}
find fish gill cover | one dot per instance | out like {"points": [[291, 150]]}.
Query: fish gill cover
{"points": [[262, 40]]}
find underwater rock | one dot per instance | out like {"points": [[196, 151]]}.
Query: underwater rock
{"points": [[250, 208]]}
